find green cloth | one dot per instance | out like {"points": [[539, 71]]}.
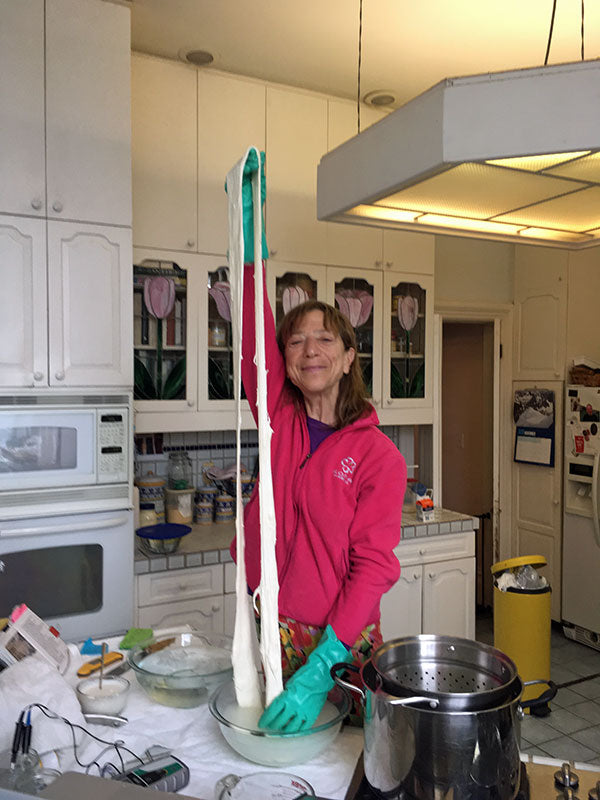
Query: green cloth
{"points": [[135, 636]]}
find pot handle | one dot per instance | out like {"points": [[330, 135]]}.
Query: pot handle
{"points": [[409, 701], [342, 665], [544, 698]]}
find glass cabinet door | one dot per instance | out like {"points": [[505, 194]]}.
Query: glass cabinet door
{"points": [[408, 333], [219, 353], [357, 294], [160, 311], [289, 285]]}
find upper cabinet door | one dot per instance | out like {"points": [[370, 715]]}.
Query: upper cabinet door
{"points": [[540, 312], [164, 153], [23, 344], [231, 118], [90, 305], [288, 285], [22, 177], [88, 125], [296, 140], [351, 245], [405, 251]]}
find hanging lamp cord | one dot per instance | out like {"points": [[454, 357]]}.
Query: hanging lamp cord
{"points": [[360, 10], [550, 33], [582, 29]]}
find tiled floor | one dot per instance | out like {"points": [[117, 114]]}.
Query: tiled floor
{"points": [[572, 730]]}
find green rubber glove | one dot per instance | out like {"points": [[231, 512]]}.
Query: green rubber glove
{"points": [[251, 166], [300, 703]]}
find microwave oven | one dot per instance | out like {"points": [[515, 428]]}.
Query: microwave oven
{"points": [[65, 454]]}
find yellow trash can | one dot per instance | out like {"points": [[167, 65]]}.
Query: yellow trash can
{"points": [[522, 625]]}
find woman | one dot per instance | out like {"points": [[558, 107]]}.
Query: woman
{"points": [[338, 485]]}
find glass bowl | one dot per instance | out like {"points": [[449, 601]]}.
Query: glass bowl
{"points": [[239, 727], [162, 538], [182, 670], [110, 698]]}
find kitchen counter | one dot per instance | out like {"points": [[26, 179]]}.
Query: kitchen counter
{"points": [[209, 544]]}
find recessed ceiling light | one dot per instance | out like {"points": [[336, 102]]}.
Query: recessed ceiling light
{"points": [[380, 97], [200, 58]]}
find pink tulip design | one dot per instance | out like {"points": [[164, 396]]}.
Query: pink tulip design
{"points": [[159, 296], [356, 304], [221, 294], [408, 312], [293, 296]]}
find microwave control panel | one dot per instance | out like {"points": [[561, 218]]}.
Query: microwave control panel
{"points": [[113, 437]]}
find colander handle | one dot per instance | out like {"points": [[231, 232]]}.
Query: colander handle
{"points": [[342, 666], [409, 701]]}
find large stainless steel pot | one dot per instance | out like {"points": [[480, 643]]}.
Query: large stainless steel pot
{"points": [[461, 674], [414, 747]]}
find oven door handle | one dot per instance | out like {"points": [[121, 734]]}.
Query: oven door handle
{"points": [[112, 522]]}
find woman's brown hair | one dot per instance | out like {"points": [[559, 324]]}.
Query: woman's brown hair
{"points": [[352, 402]]}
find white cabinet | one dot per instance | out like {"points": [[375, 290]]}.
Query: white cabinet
{"points": [[164, 153], [296, 140], [23, 302], [66, 151], [231, 118], [436, 590], [67, 313], [193, 596], [89, 305], [540, 297], [22, 163]]}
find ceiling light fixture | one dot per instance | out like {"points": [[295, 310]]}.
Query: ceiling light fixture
{"points": [[509, 155], [199, 58], [380, 98]]}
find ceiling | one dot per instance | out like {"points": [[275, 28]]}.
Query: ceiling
{"points": [[407, 45]]}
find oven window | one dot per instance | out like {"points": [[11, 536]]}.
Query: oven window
{"points": [[53, 581], [37, 449]]}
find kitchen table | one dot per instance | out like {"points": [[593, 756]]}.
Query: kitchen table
{"points": [[193, 735]]}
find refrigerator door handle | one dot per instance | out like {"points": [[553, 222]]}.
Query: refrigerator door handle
{"points": [[595, 477]]}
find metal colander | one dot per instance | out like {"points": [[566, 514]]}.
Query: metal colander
{"points": [[463, 675]]}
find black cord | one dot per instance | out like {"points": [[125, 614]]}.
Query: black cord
{"points": [[550, 34], [360, 10], [582, 28], [72, 725]]}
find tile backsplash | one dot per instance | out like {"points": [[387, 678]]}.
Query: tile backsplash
{"points": [[152, 450]]}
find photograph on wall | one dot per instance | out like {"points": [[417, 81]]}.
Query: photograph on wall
{"points": [[533, 414]]}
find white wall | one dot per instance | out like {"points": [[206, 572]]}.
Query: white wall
{"points": [[583, 305], [473, 270]]}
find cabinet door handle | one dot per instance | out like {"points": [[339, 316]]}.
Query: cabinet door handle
{"points": [[378, 263], [432, 575], [57, 206], [422, 552], [191, 402], [190, 243], [416, 575], [389, 401], [36, 203], [38, 376], [272, 253], [60, 376], [389, 264]]}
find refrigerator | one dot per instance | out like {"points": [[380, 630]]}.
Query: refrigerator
{"points": [[581, 523]]}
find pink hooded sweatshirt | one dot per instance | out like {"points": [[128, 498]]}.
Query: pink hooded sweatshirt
{"points": [[338, 511]]}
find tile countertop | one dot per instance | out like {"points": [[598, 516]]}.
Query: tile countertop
{"points": [[209, 544]]}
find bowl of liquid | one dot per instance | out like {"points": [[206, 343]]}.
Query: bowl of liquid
{"points": [[182, 669], [272, 748]]}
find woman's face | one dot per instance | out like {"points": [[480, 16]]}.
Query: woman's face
{"points": [[315, 358]]}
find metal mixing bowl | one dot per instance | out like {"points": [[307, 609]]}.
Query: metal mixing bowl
{"points": [[182, 669], [276, 748]]}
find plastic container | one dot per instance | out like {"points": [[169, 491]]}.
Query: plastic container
{"points": [[152, 490], [180, 471], [266, 785], [180, 506], [522, 624], [163, 538], [147, 515]]}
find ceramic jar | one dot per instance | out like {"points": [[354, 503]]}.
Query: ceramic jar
{"points": [[224, 508], [152, 490]]}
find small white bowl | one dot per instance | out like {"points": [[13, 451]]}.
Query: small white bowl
{"points": [[110, 699]]}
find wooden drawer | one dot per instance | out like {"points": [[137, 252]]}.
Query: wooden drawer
{"points": [[180, 584], [205, 614], [435, 548]]}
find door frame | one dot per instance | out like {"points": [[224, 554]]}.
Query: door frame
{"points": [[501, 316]]}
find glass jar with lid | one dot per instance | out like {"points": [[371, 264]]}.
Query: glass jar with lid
{"points": [[180, 471]]}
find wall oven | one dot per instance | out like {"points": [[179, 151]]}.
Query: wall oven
{"points": [[66, 518], [75, 571]]}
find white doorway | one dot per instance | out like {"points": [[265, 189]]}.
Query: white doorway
{"points": [[474, 369]]}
